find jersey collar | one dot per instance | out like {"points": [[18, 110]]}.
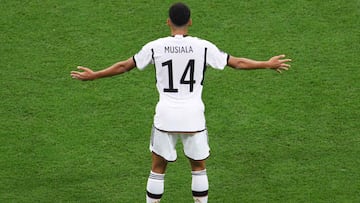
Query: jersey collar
{"points": [[179, 36]]}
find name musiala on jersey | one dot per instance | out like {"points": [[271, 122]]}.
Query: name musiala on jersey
{"points": [[178, 49]]}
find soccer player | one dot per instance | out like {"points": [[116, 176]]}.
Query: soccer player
{"points": [[180, 62]]}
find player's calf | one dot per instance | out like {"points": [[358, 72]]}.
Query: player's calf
{"points": [[200, 186], [155, 187]]}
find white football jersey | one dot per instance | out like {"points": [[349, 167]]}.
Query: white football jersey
{"points": [[180, 63]]}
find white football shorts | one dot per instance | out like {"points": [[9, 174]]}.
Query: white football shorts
{"points": [[196, 145]]}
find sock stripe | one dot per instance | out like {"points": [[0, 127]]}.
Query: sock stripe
{"points": [[156, 176], [198, 173], [153, 196], [200, 194]]}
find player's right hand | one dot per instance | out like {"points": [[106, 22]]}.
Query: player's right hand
{"points": [[278, 63]]}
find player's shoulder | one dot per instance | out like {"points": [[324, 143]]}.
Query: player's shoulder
{"points": [[201, 41], [162, 40], [156, 42]]}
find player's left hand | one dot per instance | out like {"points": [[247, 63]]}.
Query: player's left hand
{"points": [[86, 74]]}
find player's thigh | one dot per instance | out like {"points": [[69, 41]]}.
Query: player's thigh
{"points": [[163, 144], [196, 146]]}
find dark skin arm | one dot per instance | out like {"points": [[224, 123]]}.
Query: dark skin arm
{"points": [[277, 63], [116, 69]]}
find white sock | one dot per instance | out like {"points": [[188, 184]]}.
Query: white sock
{"points": [[155, 187], [200, 186]]}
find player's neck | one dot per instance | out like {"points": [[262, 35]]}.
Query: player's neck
{"points": [[176, 30], [179, 31]]}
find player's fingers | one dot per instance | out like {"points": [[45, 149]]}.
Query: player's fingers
{"points": [[278, 57], [74, 72], [75, 75], [283, 68], [83, 68], [285, 60], [275, 58], [285, 65], [280, 69]]}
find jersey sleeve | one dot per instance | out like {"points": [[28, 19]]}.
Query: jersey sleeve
{"points": [[144, 57], [215, 57]]}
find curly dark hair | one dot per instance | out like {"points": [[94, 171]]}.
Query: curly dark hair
{"points": [[179, 14]]}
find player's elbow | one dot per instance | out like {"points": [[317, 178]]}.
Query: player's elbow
{"points": [[237, 63]]}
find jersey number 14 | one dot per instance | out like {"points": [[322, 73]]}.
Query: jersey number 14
{"points": [[189, 70]]}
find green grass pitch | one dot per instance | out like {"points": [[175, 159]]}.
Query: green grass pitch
{"points": [[291, 137]]}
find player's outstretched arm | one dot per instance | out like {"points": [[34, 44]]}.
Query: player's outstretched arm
{"points": [[116, 69], [277, 63]]}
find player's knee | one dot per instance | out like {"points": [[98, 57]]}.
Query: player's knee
{"points": [[197, 165], [158, 164]]}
